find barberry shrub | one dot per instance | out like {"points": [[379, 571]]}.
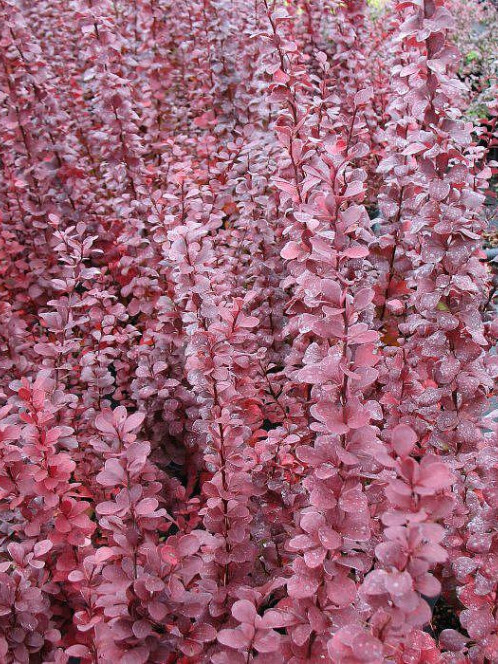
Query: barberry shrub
{"points": [[247, 365]]}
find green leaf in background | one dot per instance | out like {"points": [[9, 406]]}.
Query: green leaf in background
{"points": [[472, 56]]}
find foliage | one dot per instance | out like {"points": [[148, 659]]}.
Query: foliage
{"points": [[247, 345]]}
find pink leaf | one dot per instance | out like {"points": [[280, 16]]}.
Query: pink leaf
{"points": [[234, 638], [452, 640], [353, 189], [331, 416], [244, 611], [112, 475], [433, 477], [146, 506], [138, 655], [43, 547], [104, 425], [291, 251], [133, 422], [188, 545], [403, 439], [301, 587], [329, 538], [363, 96], [356, 252], [78, 650], [107, 507], [268, 641]]}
